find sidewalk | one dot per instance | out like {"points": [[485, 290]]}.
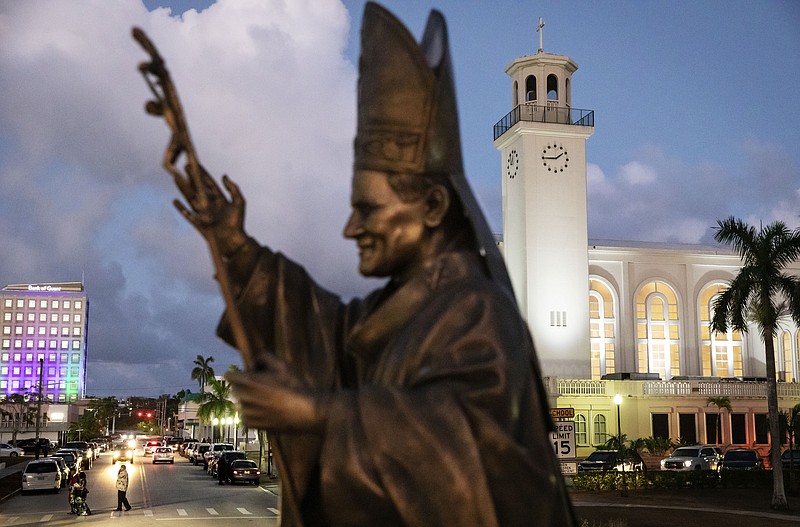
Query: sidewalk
{"points": [[717, 507]]}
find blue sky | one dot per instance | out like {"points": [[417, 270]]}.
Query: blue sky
{"points": [[696, 108]]}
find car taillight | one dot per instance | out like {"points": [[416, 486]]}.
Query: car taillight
{"points": [[258, 472], [235, 472]]}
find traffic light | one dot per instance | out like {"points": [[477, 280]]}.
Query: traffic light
{"points": [[144, 414]]}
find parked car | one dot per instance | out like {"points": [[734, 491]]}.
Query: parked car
{"points": [[741, 459], [612, 460], [215, 447], [66, 472], [244, 470], [86, 451], [229, 456], [151, 445], [28, 445], [692, 458], [790, 459], [183, 447], [197, 452], [76, 454], [163, 454], [122, 454], [7, 450], [41, 474], [71, 460]]}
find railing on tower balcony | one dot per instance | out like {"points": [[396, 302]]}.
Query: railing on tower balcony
{"points": [[674, 388], [543, 113]]}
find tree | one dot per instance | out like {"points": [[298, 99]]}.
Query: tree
{"points": [[216, 403], [764, 292], [17, 407], [720, 402], [203, 372], [790, 421]]}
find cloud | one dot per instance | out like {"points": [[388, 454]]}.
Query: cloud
{"points": [[636, 173], [270, 100]]}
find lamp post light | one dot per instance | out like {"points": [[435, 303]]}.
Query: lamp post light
{"points": [[620, 448]]}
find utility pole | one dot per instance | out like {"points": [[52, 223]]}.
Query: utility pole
{"points": [[39, 405]]}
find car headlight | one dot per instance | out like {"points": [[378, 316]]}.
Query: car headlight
{"points": [[663, 463], [687, 463]]}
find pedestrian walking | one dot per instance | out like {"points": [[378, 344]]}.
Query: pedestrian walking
{"points": [[122, 488]]}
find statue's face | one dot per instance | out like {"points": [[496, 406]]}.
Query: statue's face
{"points": [[390, 234]]}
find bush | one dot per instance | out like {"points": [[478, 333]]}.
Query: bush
{"points": [[652, 479]]}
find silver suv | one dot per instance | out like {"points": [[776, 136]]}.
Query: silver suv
{"points": [[695, 457]]}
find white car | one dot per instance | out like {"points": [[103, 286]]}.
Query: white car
{"points": [[7, 450], [163, 454], [41, 474], [692, 458]]}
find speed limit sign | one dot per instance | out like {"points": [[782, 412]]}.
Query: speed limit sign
{"points": [[563, 439]]}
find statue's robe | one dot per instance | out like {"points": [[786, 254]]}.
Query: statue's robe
{"points": [[438, 414]]}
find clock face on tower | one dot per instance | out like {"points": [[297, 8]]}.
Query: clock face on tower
{"points": [[555, 157], [512, 164]]}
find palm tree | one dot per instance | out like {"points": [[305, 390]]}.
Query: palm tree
{"points": [[216, 403], [203, 372], [720, 402], [790, 421], [761, 289]]}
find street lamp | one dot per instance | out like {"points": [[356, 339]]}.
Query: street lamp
{"points": [[618, 403]]}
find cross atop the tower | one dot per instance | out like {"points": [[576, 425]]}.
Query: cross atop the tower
{"points": [[540, 30]]}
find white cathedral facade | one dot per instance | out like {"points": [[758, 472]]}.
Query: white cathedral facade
{"points": [[629, 319]]}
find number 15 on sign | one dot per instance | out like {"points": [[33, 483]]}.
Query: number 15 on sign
{"points": [[564, 439]]}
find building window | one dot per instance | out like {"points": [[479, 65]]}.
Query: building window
{"points": [[738, 429], [8, 303], [42, 317], [660, 424], [54, 317], [657, 335], [54, 304], [76, 331], [762, 429], [31, 317], [603, 328], [43, 304], [66, 304], [78, 304], [581, 434], [7, 316], [720, 354], [600, 435], [783, 359], [20, 303], [76, 317], [687, 424]]}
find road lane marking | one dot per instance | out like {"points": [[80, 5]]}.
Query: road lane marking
{"points": [[243, 510], [276, 511], [148, 512], [11, 520], [212, 512], [182, 512], [46, 518]]}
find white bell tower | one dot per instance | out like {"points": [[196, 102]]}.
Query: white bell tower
{"points": [[542, 143]]}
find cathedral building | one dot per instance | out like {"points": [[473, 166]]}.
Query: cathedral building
{"points": [[629, 319]]}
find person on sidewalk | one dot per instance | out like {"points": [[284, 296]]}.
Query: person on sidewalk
{"points": [[122, 488], [70, 495]]}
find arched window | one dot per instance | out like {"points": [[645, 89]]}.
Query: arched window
{"points": [[720, 353], [599, 435], [602, 328], [516, 94], [581, 434], [552, 87], [568, 96], [783, 358], [657, 336], [530, 88]]}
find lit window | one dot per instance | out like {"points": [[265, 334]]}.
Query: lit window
{"points": [[65, 317], [29, 330], [62, 397], [42, 317], [41, 344], [28, 370], [42, 330], [6, 344], [43, 304], [20, 302], [76, 331], [66, 304], [29, 343], [51, 357], [31, 303], [7, 316], [19, 317], [3, 384], [65, 331], [8, 302], [27, 385], [78, 304], [63, 371], [17, 357], [581, 435], [39, 356], [4, 370], [76, 357], [15, 384], [64, 344], [53, 344], [28, 357], [53, 330], [6, 330], [4, 357], [51, 371], [599, 435], [15, 370], [64, 357], [76, 344], [17, 344], [77, 317], [54, 304], [54, 317], [18, 330], [31, 317]]}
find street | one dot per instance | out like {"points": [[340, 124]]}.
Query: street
{"points": [[165, 493]]}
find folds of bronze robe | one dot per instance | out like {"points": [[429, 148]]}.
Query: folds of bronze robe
{"points": [[438, 417]]}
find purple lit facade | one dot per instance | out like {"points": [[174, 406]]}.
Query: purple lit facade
{"points": [[48, 323]]}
